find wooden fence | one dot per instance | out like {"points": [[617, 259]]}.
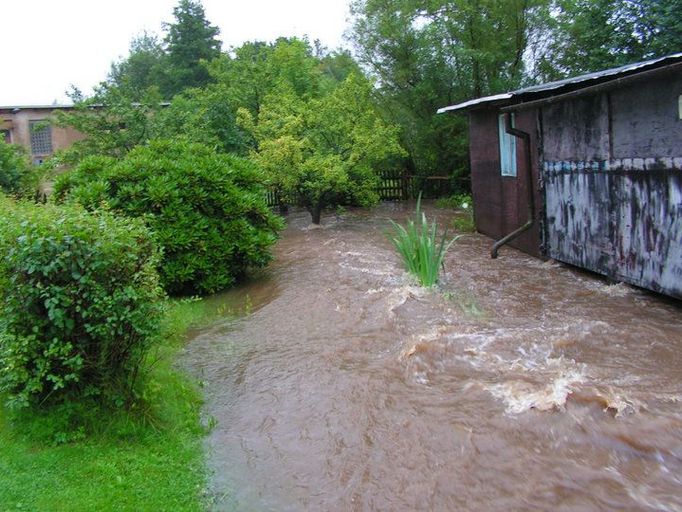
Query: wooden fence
{"points": [[399, 186]]}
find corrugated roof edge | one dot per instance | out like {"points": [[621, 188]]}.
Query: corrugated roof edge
{"points": [[471, 103], [550, 86]]}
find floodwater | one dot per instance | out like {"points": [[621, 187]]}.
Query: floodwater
{"points": [[517, 385]]}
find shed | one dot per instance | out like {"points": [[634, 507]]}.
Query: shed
{"points": [[587, 171]]}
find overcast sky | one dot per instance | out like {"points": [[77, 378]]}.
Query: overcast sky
{"points": [[49, 44]]}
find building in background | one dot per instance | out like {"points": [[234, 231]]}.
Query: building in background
{"points": [[32, 127], [587, 171]]}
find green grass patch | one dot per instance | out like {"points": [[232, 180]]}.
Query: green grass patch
{"points": [[457, 202], [75, 458]]}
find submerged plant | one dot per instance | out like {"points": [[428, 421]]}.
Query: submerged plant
{"points": [[421, 249]]}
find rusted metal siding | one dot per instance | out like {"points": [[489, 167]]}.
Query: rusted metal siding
{"points": [[501, 202], [612, 176]]}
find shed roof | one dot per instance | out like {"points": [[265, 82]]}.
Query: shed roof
{"points": [[562, 86]]}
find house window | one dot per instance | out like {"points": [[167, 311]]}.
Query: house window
{"points": [[5, 136], [507, 148], [41, 138]]}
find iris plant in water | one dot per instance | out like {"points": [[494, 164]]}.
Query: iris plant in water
{"points": [[420, 248]]}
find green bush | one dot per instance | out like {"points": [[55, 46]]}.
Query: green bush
{"points": [[80, 303], [15, 169], [207, 210], [419, 247]]}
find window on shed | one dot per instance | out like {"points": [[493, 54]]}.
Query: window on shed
{"points": [[507, 148], [41, 138]]}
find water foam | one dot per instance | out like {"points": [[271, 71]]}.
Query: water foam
{"points": [[522, 396]]}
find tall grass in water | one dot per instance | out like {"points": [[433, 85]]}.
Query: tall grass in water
{"points": [[421, 249]]}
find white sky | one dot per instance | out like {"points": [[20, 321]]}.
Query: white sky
{"points": [[49, 44]]}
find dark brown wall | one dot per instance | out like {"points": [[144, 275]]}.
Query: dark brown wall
{"points": [[501, 202]]}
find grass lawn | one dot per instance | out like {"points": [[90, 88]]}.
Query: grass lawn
{"points": [[75, 459]]}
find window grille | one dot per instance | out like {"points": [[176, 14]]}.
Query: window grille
{"points": [[41, 138]]}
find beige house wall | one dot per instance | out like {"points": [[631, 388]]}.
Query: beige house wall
{"points": [[18, 119]]}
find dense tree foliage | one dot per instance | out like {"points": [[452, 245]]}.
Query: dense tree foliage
{"points": [[430, 54], [144, 67], [323, 151], [190, 40], [589, 35]]}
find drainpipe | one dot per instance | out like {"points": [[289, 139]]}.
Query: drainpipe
{"points": [[531, 193]]}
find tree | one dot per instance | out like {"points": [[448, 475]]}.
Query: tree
{"points": [[190, 40], [591, 35], [659, 23], [112, 122], [323, 151], [208, 114], [143, 68], [429, 54]]}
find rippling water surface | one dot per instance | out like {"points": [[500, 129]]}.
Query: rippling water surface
{"points": [[518, 385]]}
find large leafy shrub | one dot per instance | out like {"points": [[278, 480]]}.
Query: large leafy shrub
{"points": [[80, 303], [15, 169], [207, 210]]}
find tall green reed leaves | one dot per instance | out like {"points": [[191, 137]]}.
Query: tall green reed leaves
{"points": [[420, 248]]}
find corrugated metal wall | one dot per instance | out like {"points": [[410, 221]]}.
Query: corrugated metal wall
{"points": [[612, 178]]}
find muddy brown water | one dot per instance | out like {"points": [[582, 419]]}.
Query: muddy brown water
{"points": [[517, 385]]}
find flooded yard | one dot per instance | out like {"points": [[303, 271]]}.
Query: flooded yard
{"points": [[517, 385]]}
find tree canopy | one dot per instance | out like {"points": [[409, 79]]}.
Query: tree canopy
{"points": [[409, 57], [190, 40], [323, 151]]}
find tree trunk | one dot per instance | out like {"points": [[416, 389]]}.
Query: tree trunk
{"points": [[316, 213]]}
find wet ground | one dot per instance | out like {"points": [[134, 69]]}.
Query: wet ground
{"points": [[517, 385]]}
